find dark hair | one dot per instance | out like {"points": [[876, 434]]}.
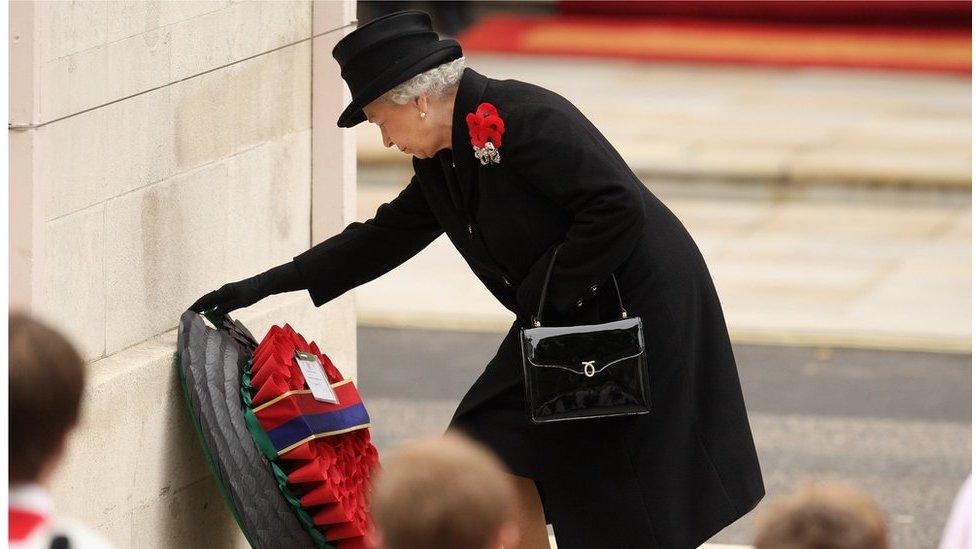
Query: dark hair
{"points": [[46, 381]]}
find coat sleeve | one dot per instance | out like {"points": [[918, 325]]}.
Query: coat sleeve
{"points": [[366, 250], [560, 153]]}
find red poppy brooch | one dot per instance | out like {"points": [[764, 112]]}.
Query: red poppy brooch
{"points": [[486, 128]]}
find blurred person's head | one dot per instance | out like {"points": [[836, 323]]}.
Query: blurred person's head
{"points": [[46, 381], [444, 493], [417, 115], [826, 515]]}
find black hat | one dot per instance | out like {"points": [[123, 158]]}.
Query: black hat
{"points": [[385, 52]]}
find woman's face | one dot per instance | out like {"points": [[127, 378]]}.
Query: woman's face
{"points": [[401, 126]]}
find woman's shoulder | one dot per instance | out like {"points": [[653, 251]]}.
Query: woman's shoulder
{"points": [[542, 122], [532, 114], [527, 99]]}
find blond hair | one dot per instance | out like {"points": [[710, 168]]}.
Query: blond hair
{"points": [[445, 492], [826, 515]]}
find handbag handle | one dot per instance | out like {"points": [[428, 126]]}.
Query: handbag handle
{"points": [[537, 318]]}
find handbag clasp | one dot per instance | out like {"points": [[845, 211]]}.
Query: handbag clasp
{"points": [[588, 368]]}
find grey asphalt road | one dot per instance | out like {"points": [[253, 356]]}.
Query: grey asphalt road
{"points": [[895, 424]]}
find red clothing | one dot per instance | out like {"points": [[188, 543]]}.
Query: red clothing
{"points": [[32, 523]]}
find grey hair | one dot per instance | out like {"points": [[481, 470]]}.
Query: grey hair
{"points": [[434, 82]]}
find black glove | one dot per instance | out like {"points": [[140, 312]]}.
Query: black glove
{"points": [[243, 293]]}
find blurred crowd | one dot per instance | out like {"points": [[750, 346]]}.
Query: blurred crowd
{"points": [[446, 491]]}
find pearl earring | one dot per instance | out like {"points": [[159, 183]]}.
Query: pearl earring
{"points": [[423, 115]]}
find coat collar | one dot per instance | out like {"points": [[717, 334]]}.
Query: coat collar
{"points": [[471, 89]]}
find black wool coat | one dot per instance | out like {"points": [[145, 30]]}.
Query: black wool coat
{"points": [[561, 181]]}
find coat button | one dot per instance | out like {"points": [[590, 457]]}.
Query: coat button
{"points": [[593, 288], [452, 163], [579, 303], [470, 229]]}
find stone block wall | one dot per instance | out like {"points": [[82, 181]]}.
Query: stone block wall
{"points": [[157, 151]]}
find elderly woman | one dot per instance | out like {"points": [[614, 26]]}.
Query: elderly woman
{"points": [[670, 478]]}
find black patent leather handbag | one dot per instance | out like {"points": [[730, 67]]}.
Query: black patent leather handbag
{"points": [[585, 371]]}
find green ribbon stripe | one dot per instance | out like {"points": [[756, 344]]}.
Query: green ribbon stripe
{"points": [[267, 448]]}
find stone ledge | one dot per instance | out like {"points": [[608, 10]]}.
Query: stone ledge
{"points": [[768, 168], [784, 126]]}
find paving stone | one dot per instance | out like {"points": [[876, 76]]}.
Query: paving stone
{"points": [[853, 267]]}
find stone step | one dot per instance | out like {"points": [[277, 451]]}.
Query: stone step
{"points": [[792, 126], [881, 268]]}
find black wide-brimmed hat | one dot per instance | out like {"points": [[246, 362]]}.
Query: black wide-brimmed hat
{"points": [[387, 51]]}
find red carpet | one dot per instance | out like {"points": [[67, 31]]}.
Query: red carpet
{"points": [[897, 13], [943, 50]]}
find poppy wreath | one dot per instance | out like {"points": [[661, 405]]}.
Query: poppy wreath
{"points": [[485, 128], [322, 451], [210, 365]]}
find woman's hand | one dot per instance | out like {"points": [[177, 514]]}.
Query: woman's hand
{"points": [[230, 296], [243, 293]]}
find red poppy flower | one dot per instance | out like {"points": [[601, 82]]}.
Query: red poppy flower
{"points": [[485, 125]]}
